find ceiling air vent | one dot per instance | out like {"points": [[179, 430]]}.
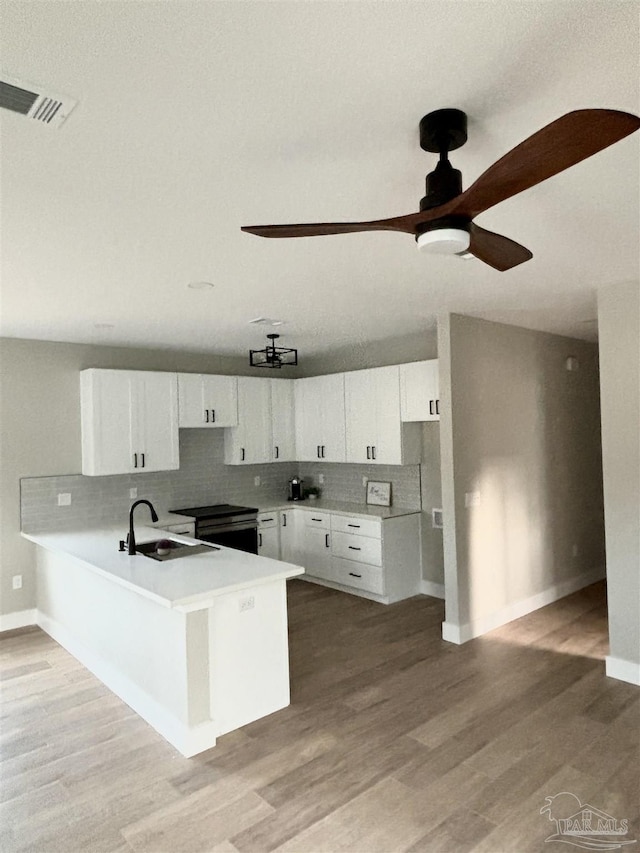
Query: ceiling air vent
{"points": [[31, 101]]}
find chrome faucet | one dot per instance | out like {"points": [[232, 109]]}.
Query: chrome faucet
{"points": [[131, 539]]}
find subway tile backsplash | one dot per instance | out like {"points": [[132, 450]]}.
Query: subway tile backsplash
{"points": [[203, 479]]}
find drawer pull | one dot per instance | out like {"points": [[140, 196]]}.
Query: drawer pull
{"points": [[266, 519], [353, 525], [316, 519], [259, 540], [353, 548], [326, 540], [354, 575]]}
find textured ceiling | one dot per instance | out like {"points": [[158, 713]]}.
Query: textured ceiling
{"points": [[195, 118]]}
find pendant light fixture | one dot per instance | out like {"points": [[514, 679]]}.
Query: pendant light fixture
{"points": [[273, 356]]}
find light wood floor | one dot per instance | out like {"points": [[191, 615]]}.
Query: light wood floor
{"points": [[394, 741]]}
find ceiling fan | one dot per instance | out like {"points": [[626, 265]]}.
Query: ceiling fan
{"points": [[444, 223]]}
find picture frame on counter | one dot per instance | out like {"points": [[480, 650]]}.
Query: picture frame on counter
{"points": [[378, 493]]}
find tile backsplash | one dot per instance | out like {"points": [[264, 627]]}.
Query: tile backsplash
{"points": [[203, 479]]}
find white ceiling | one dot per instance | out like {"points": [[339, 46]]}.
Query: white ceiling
{"points": [[197, 117]]}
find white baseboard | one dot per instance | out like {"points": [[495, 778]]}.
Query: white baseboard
{"points": [[187, 740], [459, 634], [435, 590], [18, 619], [623, 670]]}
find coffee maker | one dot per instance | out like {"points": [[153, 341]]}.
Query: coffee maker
{"points": [[295, 489]]}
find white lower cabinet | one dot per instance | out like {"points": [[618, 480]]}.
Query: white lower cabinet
{"points": [[373, 557], [269, 535], [289, 539]]}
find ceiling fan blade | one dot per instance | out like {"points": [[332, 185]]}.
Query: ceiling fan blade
{"points": [[497, 251], [561, 144], [318, 229]]}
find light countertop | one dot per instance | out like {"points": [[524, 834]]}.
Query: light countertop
{"points": [[338, 507], [184, 583]]}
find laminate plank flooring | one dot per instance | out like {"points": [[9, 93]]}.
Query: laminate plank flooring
{"points": [[394, 742]]}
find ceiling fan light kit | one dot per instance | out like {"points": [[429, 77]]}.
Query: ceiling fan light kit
{"points": [[444, 241], [273, 356], [444, 223]]}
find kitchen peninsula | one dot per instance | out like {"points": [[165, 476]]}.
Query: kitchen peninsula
{"points": [[197, 645]]}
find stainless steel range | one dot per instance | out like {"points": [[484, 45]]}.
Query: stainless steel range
{"points": [[225, 524]]}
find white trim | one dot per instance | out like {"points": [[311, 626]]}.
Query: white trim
{"points": [[187, 740], [623, 670], [476, 628], [435, 590], [17, 619]]}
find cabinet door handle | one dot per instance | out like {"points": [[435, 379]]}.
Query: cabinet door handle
{"points": [[373, 451], [142, 454], [354, 575], [437, 407], [323, 447], [277, 451], [318, 451], [284, 520], [368, 452], [242, 456], [326, 540], [259, 540], [353, 525], [353, 548], [135, 460], [213, 416], [431, 412], [206, 414]]}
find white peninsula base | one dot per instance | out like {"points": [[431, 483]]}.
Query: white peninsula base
{"points": [[193, 670]]}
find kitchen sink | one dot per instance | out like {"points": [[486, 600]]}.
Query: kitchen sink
{"points": [[176, 549]]}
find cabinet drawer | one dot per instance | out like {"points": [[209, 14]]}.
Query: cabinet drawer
{"points": [[358, 525], [370, 578], [267, 519], [317, 519], [362, 549]]}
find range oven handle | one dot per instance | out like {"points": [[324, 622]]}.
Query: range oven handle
{"points": [[204, 529]]}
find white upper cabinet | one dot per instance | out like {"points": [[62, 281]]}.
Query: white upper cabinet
{"points": [[250, 442], [420, 391], [265, 430], [207, 401], [283, 438], [374, 432], [129, 421], [320, 418]]}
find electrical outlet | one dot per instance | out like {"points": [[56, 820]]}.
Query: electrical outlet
{"points": [[17, 581], [64, 499], [321, 479], [256, 481], [365, 481], [247, 603], [472, 499], [133, 492]]}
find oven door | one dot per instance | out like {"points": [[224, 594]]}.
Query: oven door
{"points": [[241, 535]]}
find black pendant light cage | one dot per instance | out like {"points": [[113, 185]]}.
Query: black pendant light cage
{"points": [[273, 356]]}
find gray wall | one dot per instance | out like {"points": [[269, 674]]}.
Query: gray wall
{"points": [[619, 330], [362, 354], [523, 433]]}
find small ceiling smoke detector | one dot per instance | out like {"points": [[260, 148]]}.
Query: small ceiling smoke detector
{"points": [[265, 321], [200, 285], [34, 102]]}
